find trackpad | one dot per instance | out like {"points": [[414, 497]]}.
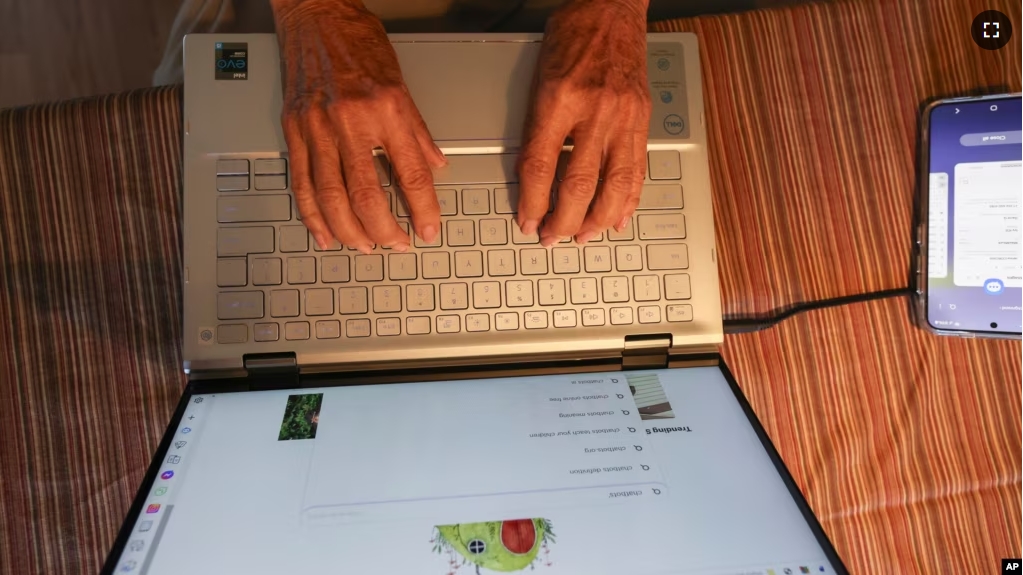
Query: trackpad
{"points": [[470, 91]]}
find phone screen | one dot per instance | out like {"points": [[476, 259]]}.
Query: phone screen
{"points": [[976, 182]]}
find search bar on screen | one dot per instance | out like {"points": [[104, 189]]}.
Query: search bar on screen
{"points": [[992, 138]]}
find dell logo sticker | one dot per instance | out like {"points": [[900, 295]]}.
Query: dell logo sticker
{"points": [[674, 124]]}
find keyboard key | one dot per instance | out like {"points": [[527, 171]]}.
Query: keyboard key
{"points": [[649, 314], [624, 235], [475, 322], [629, 258], [266, 208], [232, 183], [369, 268], [448, 324], [266, 332], [334, 269], [660, 198], [501, 262], [245, 241], [446, 200], [616, 289], [232, 272], [266, 271], [583, 290], [386, 299], [593, 317], [621, 316], [232, 167], [401, 208], [551, 292], [294, 239], [493, 232], [232, 333], [270, 182], [598, 259], [667, 257], [419, 325], [486, 295], [535, 319], [333, 246], [383, 168], [676, 286], [328, 329], [662, 227], [284, 303], [401, 266], [519, 238], [475, 201], [519, 293], [357, 328], [388, 326], [646, 288], [468, 264], [270, 166], [478, 169], [564, 318], [460, 233], [534, 261], [506, 321], [436, 265], [296, 330], [566, 260], [353, 300], [319, 301], [506, 200], [240, 305], [664, 165], [454, 296], [681, 312], [419, 297], [301, 270]]}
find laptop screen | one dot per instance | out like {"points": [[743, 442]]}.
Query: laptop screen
{"points": [[624, 472]]}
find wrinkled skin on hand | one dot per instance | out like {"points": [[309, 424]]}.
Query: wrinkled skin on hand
{"points": [[590, 86], [343, 97]]}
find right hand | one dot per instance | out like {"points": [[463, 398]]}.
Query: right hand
{"points": [[343, 97]]}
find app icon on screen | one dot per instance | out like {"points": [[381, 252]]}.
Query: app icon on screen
{"points": [[153, 508], [145, 526], [167, 474], [160, 491]]}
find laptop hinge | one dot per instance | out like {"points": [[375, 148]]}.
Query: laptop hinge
{"points": [[271, 370], [646, 351]]}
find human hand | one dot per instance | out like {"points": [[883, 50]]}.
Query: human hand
{"points": [[343, 97], [591, 85]]}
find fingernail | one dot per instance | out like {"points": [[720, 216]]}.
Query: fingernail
{"points": [[366, 248], [429, 233], [400, 247], [439, 152], [584, 237], [323, 243], [528, 227], [621, 224], [548, 241]]}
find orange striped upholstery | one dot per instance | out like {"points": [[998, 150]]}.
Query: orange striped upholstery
{"points": [[907, 445]]}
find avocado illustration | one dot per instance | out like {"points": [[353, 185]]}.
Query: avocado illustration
{"points": [[502, 546]]}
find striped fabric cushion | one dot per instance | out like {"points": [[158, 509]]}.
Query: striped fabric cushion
{"points": [[907, 445]]}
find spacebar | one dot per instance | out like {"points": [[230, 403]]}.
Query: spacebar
{"points": [[481, 169]]}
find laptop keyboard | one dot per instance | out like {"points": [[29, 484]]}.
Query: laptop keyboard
{"points": [[480, 275]]}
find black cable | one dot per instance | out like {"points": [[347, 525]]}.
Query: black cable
{"points": [[758, 323]]}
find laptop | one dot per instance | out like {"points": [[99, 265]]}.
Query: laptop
{"points": [[478, 405]]}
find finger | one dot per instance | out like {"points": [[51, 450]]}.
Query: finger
{"points": [[415, 179], [620, 182], [545, 135], [576, 190], [640, 165], [302, 184], [331, 195], [365, 195], [434, 157]]}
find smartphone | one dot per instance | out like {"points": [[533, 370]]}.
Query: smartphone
{"points": [[968, 257]]}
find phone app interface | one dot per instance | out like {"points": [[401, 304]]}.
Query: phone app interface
{"points": [[976, 184], [626, 473]]}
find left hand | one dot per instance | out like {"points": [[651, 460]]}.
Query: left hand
{"points": [[590, 85]]}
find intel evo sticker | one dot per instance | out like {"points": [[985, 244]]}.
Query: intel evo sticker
{"points": [[232, 61]]}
